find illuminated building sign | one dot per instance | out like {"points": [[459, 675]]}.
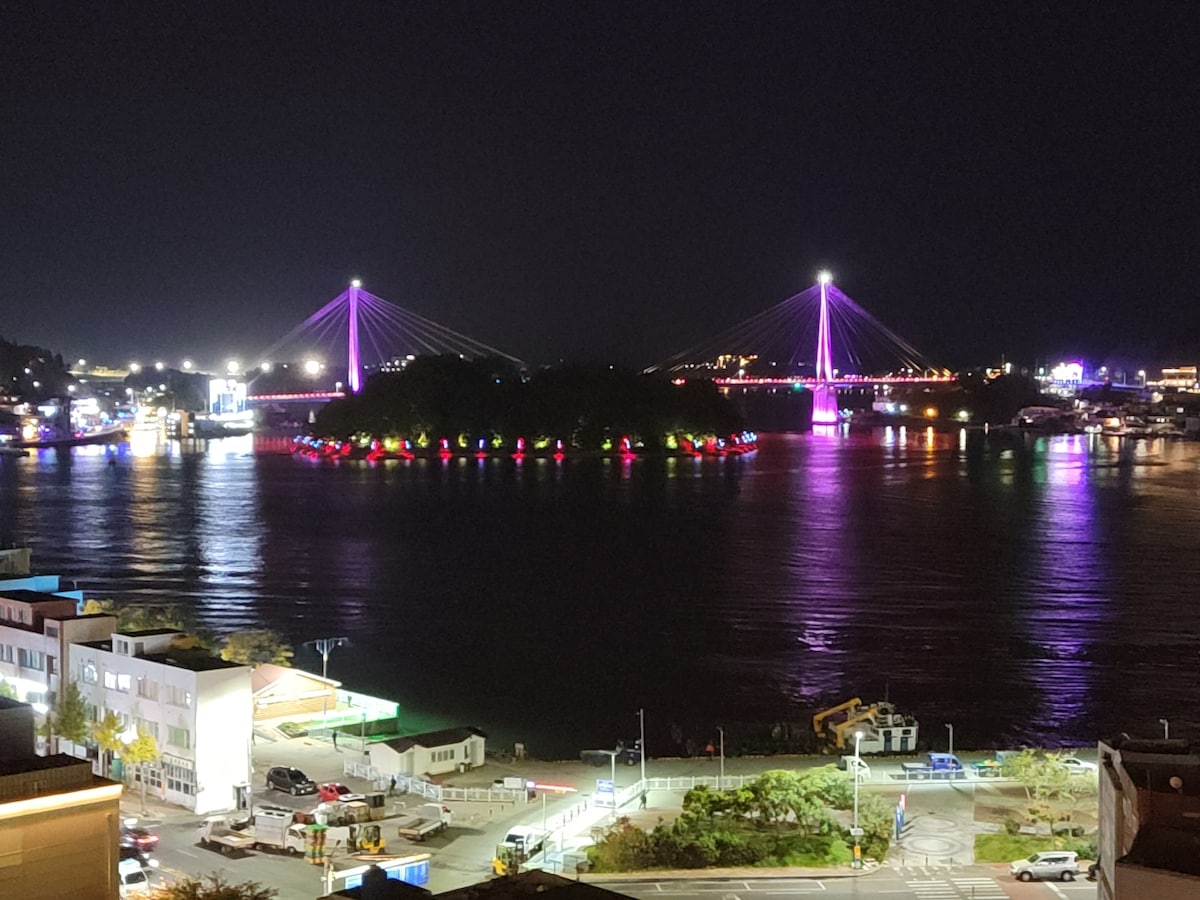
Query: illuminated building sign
{"points": [[1067, 373]]}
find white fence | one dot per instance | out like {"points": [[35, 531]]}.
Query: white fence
{"points": [[405, 784]]}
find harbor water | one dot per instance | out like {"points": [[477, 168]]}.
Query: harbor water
{"points": [[1025, 589]]}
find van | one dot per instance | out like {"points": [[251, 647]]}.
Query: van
{"points": [[526, 839], [132, 878]]}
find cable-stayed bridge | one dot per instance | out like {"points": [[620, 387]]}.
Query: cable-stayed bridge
{"points": [[793, 344], [819, 339]]}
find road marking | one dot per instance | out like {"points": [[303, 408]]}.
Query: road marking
{"points": [[1054, 887]]}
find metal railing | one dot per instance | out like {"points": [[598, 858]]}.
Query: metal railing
{"points": [[406, 784]]}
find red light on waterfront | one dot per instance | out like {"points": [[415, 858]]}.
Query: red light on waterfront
{"points": [[556, 788]]}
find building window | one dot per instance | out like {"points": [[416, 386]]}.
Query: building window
{"points": [[152, 774], [179, 737], [177, 696], [149, 726], [443, 755], [147, 688], [93, 713], [51, 666], [121, 647], [52, 631], [124, 683], [90, 674], [180, 779], [110, 680], [6, 653], [31, 659]]}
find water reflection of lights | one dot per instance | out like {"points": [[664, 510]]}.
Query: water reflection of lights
{"points": [[1068, 585]]}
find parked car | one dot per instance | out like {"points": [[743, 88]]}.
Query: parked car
{"points": [[286, 778], [132, 879], [126, 851], [1074, 765], [1046, 865], [333, 791]]}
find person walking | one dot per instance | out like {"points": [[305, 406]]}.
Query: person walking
{"points": [[642, 804], [335, 739]]}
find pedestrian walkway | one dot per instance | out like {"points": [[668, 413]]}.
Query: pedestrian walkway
{"points": [[956, 888]]}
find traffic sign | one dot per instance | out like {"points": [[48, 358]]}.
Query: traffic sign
{"points": [[856, 832]]}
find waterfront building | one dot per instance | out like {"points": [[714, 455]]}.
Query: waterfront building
{"points": [[37, 630], [1149, 843], [59, 822], [198, 708], [432, 753], [281, 692]]}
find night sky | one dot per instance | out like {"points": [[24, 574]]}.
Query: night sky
{"points": [[603, 181]]}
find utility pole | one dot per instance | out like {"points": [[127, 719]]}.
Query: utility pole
{"points": [[642, 744], [721, 783], [325, 646]]}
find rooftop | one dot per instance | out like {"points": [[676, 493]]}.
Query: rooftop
{"points": [[534, 883], [192, 660], [148, 632], [1160, 766], [434, 738], [33, 597]]}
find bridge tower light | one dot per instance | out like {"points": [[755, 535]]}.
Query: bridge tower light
{"points": [[824, 277]]}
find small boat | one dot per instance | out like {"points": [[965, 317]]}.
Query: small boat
{"points": [[106, 434]]}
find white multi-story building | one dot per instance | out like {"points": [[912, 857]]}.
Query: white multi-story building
{"points": [[36, 633], [198, 707]]}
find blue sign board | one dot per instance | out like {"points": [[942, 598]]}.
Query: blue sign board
{"points": [[605, 786]]}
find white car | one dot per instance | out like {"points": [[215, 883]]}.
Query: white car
{"points": [[1077, 766], [132, 878]]}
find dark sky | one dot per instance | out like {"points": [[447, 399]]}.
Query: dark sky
{"points": [[600, 180]]}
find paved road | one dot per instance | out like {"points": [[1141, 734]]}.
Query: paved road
{"points": [[958, 883]]}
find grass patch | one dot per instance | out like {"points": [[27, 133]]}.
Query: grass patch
{"points": [[1003, 847], [293, 729]]}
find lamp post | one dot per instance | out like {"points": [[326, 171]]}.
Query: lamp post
{"points": [[1166, 724], [325, 646], [721, 783], [951, 728], [642, 744], [856, 832]]}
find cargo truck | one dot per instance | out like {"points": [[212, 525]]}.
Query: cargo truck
{"points": [[426, 820], [270, 828]]}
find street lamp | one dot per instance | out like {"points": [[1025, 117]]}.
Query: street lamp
{"points": [[1166, 724], [951, 727], [642, 744], [324, 647], [856, 832], [721, 783]]}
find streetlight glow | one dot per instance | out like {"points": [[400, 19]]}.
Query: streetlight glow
{"points": [[158, 367], [135, 367], [265, 367], [232, 366], [856, 831], [187, 365], [824, 277], [312, 367]]}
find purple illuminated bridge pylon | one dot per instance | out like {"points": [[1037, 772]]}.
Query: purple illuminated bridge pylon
{"points": [[375, 331], [773, 347]]}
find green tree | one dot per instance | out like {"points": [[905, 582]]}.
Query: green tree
{"points": [[212, 887], [142, 751], [70, 714], [1044, 781], [253, 648], [107, 735], [144, 617], [8, 689]]}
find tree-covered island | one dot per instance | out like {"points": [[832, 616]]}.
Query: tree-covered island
{"points": [[488, 404]]}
